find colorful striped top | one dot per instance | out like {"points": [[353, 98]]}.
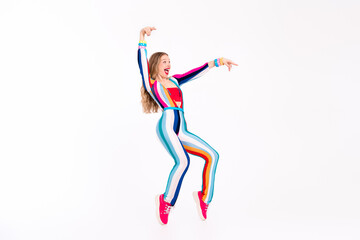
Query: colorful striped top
{"points": [[166, 97]]}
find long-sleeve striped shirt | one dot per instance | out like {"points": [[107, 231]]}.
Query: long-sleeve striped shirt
{"points": [[159, 92]]}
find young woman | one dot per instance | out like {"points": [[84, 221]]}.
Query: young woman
{"points": [[159, 90]]}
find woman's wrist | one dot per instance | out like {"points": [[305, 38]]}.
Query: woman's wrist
{"points": [[211, 64], [218, 62], [142, 35], [221, 60], [142, 44]]}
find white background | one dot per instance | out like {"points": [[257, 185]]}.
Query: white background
{"points": [[79, 159]]}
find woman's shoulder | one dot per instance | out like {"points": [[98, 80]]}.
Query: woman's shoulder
{"points": [[174, 80]]}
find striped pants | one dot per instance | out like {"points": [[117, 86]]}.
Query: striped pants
{"points": [[172, 132]]}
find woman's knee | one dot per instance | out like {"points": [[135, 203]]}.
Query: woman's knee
{"points": [[183, 164], [212, 156], [215, 156]]}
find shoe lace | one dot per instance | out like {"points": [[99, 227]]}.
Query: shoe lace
{"points": [[167, 209], [206, 207]]}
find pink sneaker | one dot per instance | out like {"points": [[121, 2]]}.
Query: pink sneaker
{"points": [[162, 209], [201, 205]]}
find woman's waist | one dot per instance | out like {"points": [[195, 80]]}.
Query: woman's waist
{"points": [[173, 108]]}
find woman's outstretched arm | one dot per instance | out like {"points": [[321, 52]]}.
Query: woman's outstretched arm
{"points": [[142, 58], [200, 71], [192, 74]]}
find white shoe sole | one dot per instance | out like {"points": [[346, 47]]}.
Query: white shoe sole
{"points": [[197, 201], [157, 209]]}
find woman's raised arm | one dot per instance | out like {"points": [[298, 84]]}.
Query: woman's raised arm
{"points": [[142, 58]]}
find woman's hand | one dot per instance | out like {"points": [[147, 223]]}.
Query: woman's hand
{"points": [[229, 63], [147, 31]]}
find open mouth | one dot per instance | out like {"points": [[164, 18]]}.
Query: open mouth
{"points": [[166, 70]]}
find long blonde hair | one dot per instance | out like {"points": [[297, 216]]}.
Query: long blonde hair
{"points": [[148, 103]]}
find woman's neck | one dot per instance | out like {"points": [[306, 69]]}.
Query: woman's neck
{"points": [[160, 79]]}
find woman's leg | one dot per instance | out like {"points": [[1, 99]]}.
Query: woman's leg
{"points": [[167, 129], [196, 146]]}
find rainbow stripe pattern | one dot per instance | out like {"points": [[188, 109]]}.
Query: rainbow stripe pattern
{"points": [[179, 142], [173, 134]]}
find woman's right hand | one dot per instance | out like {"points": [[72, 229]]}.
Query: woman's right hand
{"points": [[147, 31]]}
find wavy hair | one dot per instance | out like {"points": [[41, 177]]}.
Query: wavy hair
{"points": [[148, 103]]}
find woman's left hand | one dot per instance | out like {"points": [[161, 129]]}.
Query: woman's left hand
{"points": [[228, 63]]}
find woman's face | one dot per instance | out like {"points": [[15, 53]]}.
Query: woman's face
{"points": [[164, 66]]}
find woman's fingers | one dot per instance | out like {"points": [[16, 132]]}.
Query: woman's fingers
{"points": [[229, 63], [147, 30]]}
